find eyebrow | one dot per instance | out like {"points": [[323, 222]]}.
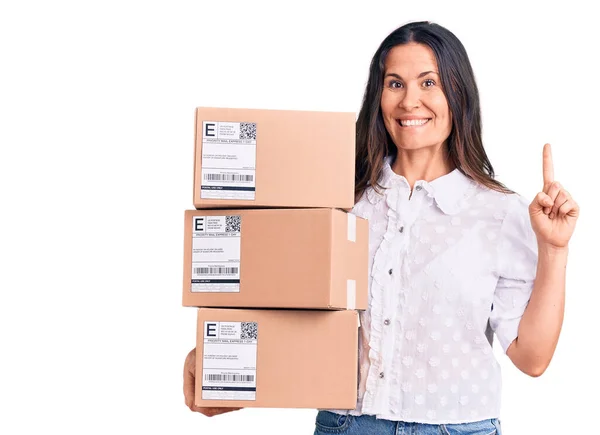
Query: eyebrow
{"points": [[423, 74]]}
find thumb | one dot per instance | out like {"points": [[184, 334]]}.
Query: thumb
{"points": [[189, 379], [541, 203]]}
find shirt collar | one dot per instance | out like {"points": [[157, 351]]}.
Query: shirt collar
{"points": [[447, 190]]}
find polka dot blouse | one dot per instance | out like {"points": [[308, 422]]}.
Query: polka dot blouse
{"points": [[452, 265]]}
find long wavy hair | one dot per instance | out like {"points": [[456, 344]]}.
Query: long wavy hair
{"points": [[464, 144]]}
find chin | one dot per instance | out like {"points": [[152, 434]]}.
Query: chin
{"points": [[411, 145]]}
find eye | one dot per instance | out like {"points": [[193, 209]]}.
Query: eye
{"points": [[395, 84], [428, 83]]}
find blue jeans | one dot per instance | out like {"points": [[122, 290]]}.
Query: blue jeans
{"points": [[331, 423]]}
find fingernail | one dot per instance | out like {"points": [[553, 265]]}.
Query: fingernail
{"points": [[551, 215]]}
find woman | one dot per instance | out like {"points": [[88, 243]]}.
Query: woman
{"points": [[455, 257]]}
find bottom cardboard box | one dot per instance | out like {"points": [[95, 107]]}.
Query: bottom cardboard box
{"points": [[277, 358]]}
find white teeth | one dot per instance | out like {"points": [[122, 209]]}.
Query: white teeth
{"points": [[409, 122]]}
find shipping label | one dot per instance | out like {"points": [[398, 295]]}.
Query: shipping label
{"points": [[229, 361], [228, 160], [216, 242]]}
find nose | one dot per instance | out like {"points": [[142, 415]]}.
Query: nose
{"points": [[411, 98]]}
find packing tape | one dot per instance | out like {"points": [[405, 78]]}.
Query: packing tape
{"points": [[351, 227], [351, 294]]}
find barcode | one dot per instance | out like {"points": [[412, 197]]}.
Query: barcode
{"points": [[248, 130], [228, 177], [233, 224], [249, 331], [216, 270], [229, 378]]}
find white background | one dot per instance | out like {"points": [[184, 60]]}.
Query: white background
{"points": [[96, 133]]}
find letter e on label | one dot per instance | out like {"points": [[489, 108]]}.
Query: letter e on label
{"points": [[209, 129], [211, 329]]}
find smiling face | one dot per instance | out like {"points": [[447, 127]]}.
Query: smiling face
{"points": [[414, 108]]}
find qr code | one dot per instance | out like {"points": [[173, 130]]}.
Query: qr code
{"points": [[233, 224], [249, 331], [247, 130]]}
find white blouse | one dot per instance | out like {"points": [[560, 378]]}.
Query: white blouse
{"points": [[449, 266]]}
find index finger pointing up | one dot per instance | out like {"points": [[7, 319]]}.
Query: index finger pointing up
{"points": [[548, 167]]}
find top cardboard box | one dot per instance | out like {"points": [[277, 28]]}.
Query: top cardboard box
{"points": [[273, 158]]}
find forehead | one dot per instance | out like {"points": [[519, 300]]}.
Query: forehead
{"points": [[410, 58]]}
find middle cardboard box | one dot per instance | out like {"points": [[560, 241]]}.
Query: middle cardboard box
{"points": [[313, 258]]}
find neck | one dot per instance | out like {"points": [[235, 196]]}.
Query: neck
{"points": [[423, 164]]}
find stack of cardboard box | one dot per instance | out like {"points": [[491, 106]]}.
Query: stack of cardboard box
{"points": [[273, 259]]}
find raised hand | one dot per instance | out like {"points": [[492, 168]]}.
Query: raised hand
{"points": [[553, 212]]}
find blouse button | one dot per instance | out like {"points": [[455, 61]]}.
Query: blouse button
{"points": [[401, 229], [418, 188], [381, 375], [390, 271], [386, 322]]}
